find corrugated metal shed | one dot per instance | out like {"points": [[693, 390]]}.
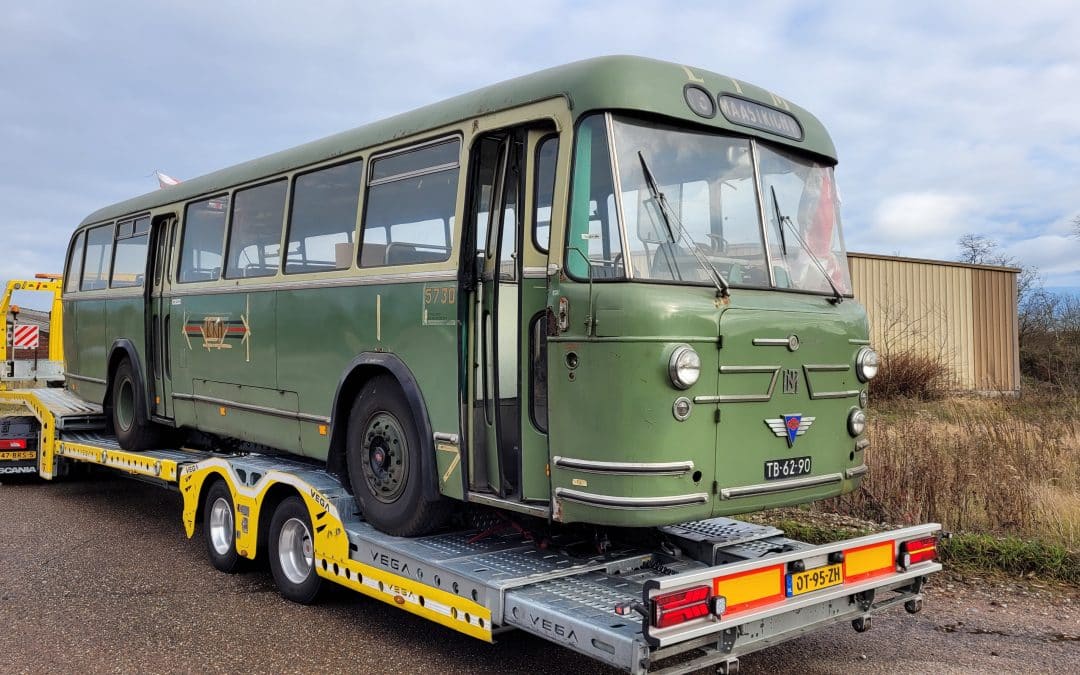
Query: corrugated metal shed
{"points": [[966, 314]]}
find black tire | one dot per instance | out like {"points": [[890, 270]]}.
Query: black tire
{"points": [[383, 456], [133, 431], [291, 550], [219, 528]]}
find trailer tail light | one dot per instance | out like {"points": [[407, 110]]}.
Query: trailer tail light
{"points": [[918, 550], [13, 444], [671, 609]]}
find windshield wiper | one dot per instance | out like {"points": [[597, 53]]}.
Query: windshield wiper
{"points": [[671, 221], [838, 297]]}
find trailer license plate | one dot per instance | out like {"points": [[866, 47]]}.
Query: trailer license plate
{"points": [[813, 580], [776, 469]]}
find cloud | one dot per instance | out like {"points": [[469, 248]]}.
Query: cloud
{"points": [[919, 223]]}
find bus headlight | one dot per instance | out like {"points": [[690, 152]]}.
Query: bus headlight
{"points": [[684, 367], [856, 422], [866, 364]]}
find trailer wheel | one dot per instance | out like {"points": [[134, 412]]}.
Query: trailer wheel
{"points": [[292, 552], [219, 528], [133, 430], [383, 458]]}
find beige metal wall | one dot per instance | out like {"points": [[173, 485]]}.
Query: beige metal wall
{"points": [[964, 314]]}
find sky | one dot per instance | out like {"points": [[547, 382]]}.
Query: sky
{"points": [[949, 118]]}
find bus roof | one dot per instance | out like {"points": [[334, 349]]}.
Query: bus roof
{"points": [[604, 83]]}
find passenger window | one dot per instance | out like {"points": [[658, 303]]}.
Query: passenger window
{"points": [[323, 219], [409, 213], [99, 243], [74, 270], [255, 231], [546, 155], [204, 235], [129, 265]]}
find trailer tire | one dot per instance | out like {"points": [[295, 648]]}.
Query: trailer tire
{"points": [[219, 528], [133, 430], [292, 552], [386, 471]]}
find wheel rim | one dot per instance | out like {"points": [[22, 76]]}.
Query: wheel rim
{"points": [[125, 404], [221, 526], [295, 550], [385, 457]]}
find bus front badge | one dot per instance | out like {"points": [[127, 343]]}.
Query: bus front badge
{"points": [[789, 426]]}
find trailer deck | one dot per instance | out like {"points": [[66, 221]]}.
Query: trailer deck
{"points": [[737, 580]]}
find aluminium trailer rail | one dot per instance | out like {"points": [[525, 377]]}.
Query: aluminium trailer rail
{"points": [[716, 590]]}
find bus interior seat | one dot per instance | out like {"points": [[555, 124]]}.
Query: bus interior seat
{"points": [[372, 255], [402, 253]]}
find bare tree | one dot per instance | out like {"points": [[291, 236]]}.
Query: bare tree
{"points": [[1076, 227], [976, 248]]}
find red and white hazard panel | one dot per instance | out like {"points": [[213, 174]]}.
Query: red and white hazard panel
{"points": [[25, 337]]}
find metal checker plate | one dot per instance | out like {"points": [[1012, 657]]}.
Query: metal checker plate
{"points": [[62, 403], [766, 547], [721, 531]]}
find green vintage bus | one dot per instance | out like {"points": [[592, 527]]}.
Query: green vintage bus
{"points": [[613, 292]]}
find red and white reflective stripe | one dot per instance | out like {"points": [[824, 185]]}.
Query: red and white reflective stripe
{"points": [[25, 336], [13, 444]]}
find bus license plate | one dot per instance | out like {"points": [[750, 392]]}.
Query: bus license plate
{"points": [[776, 469], [813, 580]]}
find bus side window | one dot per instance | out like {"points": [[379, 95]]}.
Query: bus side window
{"points": [[129, 263], [204, 236], [99, 243], [409, 212], [547, 152], [323, 218], [255, 231], [75, 264]]}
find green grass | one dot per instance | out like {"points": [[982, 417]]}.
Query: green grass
{"points": [[966, 552]]}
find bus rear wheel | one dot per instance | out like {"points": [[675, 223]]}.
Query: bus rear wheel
{"points": [[133, 430], [386, 470]]}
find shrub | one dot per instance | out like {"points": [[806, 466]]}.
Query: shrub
{"points": [[909, 374]]}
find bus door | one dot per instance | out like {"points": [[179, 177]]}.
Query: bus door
{"points": [[159, 316], [508, 453]]}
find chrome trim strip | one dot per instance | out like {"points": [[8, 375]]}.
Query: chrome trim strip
{"points": [[770, 342], [611, 502], [862, 445], [250, 407], [368, 280], [858, 341], [85, 378], [446, 438], [744, 398], [856, 471], [636, 338], [826, 368], [780, 486], [534, 273], [522, 507], [625, 468], [104, 294]]}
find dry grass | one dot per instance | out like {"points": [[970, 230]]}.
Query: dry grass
{"points": [[910, 374], [994, 466]]}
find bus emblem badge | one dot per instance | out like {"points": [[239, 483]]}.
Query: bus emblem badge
{"points": [[214, 330], [791, 381], [790, 426]]}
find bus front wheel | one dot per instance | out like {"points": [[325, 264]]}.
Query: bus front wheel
{"points": [[383, 458], [133, 430]]}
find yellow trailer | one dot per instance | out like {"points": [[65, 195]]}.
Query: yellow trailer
{"points": [[705, 592]]}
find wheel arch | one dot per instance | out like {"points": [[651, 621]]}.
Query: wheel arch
{"points": [[268, 503], [124, 348], [359, 371]]}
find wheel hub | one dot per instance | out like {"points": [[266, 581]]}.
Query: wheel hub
{"points": [[387, 452]]}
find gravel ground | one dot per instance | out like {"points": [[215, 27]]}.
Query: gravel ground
{"points": [[97, 576]]}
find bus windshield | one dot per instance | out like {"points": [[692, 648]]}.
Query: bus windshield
{"points": [[716, 192]]}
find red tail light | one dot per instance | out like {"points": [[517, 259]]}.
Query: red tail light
{"points": [[13, 444], [917, 551], [671, 609]]}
